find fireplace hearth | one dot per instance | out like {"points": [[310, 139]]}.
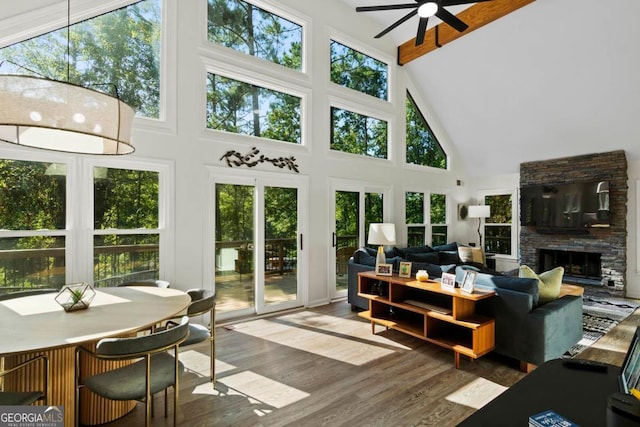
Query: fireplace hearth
{"points": [[582, 268]]}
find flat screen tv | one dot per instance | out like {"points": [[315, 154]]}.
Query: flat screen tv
{"points": [[576, 205]]}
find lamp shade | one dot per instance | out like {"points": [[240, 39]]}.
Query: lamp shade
{"points": [[479, 211], [382, 234], [59, 116]]}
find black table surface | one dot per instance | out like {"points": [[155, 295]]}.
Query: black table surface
{"points": [[578, 395]]}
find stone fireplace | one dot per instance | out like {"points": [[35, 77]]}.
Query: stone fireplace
{"points": [[595, 256]]}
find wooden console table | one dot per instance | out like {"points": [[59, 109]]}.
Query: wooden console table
{"points": [[445, 317]]}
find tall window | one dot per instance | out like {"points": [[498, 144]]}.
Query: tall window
{"points": [[358, 71], [32, 224], [423, 147], [120, 49], [126, 223], [44, 230], [246, 28], [438, 219], [358, 134], [247, 109], [414, 218], [499, 226]]}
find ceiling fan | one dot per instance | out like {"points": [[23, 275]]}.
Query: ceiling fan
{"points": [[424, 9]]}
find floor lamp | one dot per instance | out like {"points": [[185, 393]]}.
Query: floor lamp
{"points": [[479, 211], [381, 234]]}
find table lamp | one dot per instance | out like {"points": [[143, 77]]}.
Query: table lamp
{"points": [[381, 234], [479, 211]]}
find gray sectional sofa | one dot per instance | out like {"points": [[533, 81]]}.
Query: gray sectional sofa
{"points": [[526, 330]]}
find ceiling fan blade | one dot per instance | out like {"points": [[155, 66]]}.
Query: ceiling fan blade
{"points": [[451, 19], [422, 28], [398, 22], [459, 2], [386, 7]]}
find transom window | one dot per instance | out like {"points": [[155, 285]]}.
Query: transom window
{"points": [[244, 27], [116, 53], [423, 147], [355, 70], [358, 134], [239, 107]]}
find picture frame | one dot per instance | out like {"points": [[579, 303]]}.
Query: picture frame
{"points": [[384, 269], [448, 281], [469, 281], [405, 269]]}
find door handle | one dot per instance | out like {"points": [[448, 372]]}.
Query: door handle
{"points": [[301, 242], [333, 240]]}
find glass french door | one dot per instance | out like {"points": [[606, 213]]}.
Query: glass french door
{"points": [[355, 206], [259, 252]]}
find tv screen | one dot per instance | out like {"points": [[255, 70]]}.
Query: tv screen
{"points": [[630, 373], [574, 205]]}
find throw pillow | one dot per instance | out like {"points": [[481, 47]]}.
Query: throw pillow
{"points": [[470, 254], [520, 284], [430, 257], [549, 282]]}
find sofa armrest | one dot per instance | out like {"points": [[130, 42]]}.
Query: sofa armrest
{"points": [[352, 285], [559, 326]]}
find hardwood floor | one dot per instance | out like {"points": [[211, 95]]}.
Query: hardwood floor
{"points": [[323, 367]]}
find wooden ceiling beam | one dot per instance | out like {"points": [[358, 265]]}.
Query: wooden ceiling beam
{"points": [[476, 16]]}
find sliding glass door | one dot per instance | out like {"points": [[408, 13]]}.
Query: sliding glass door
{"points": [[259, 245], [354, 206]]}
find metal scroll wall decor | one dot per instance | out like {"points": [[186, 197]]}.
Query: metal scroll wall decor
{"points": [[254, 158]]}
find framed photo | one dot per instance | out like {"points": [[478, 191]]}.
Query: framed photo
{"points": [[448, 281], [468, 281], [384, 269], [405, 269]]}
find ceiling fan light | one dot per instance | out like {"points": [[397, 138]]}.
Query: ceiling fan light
{"points": [[428, 9]]}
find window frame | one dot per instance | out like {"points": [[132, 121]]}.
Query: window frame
{"points": [[253, 78], [515, 223], [79, 231], [427, 224]]}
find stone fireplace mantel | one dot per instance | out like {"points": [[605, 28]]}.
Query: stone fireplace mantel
{"points": [[610, 242]]}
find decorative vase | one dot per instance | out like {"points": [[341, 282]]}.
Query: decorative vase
{"points": [[77, 296], [422, 276]]}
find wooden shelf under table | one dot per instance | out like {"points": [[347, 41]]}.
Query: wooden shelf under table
{"points": [[445, 317]]}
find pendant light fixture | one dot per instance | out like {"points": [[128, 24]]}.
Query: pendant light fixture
{"points": [[61, 116]]}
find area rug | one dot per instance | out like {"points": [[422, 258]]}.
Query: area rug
{"points": [[600, 314]]}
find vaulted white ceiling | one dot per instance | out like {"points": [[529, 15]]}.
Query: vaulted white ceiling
{"points": [[556, 78]]}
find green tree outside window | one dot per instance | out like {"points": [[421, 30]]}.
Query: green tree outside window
{"points": [[423, 147], [118, 50], [355, 70]]}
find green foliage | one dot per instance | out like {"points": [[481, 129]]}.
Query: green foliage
{"points": [[423, 147], [373, 210], [119, 49], [234, 212], [438, 209], [414, 208], [249, 29], [500, 209], [281, 213], [30, 199], [239, 107], [358, 71], [357, 134], [347, 217], [126, 199]]}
